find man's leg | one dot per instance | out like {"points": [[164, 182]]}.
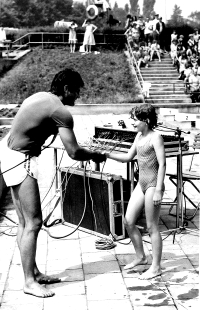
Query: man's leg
{"points": [[27, 202]]}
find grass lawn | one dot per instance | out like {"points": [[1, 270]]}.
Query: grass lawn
{"points": [[107, 76]]}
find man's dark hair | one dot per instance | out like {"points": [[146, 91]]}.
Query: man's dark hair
{"points": [[68, 77], [145, 112]]}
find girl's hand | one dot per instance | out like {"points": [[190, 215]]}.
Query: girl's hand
{"points": [[157, 198]]}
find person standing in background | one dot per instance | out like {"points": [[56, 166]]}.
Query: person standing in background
{"points": [[155, 23], [2, 39], [72, 36], [89, 40], [162, 34]]}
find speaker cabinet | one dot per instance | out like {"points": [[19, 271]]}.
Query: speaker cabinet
{"points": [[93, 200]]}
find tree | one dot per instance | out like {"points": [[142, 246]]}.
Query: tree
{"points": [[8, 16], [135, 9], [176, 19], [148, 7], [195, 17]]}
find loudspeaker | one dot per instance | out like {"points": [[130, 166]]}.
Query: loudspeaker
{"points": [[93, 200]]}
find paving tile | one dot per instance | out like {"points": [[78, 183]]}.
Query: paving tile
{"points": [[176, 265], [34, 306], [68, 288], [70, 275], [19, 298], [180, 277], [172, 254], [117, 304], [74, 302], [189, 304], [144, 293], [101, 256], [59, 265], [105, 286], [101, 267], [169, 307], [183, 292]]}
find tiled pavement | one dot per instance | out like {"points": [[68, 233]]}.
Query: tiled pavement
{"points": [[94, 279]]}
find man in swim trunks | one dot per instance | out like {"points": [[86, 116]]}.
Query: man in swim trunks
{"points": [[40, 116]]}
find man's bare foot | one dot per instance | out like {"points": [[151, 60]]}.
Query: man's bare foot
{"points": [[135, 263], [150, 274], [45, 279], [37, 290]]}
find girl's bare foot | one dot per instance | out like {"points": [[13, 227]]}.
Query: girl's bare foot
{"points": [[37, 290], [45, 279], [150, 274], [135, 263]]}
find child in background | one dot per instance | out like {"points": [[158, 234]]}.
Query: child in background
{"points": [[174, 35], [173, 52], [144, 59], [129, 35], [72, 36], [155, 49], [89, 40], [182, 61], [148, 193]]}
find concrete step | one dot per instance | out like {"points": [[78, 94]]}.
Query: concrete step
{"points": [[162, 101], [166, 92], [160, 74], [152, 79], [162, 69], [161, 96], [160, 64]]}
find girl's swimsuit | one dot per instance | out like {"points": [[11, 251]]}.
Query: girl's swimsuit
{"points": [[148, 165]]}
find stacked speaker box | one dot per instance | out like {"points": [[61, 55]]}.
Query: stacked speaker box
{"points": [[93, 200]]}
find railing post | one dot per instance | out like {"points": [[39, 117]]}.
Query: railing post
{"points": [[42, 41]]}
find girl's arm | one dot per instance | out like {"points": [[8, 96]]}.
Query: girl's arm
{"points": [[84, 24], [160, 154], [94, 28], [124, 158]]}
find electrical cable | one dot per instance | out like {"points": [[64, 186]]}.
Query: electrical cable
{"points": [[85, 205]]}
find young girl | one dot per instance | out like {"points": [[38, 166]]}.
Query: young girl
{"points": [[88, 40], [155, 49], [72, 36], [173, 52], [149, 148]]}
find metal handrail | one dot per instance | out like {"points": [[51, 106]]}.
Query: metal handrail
{"points": [[135, 65], [30, 34]]}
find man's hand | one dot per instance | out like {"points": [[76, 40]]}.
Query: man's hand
{"points": [[98, 157]]}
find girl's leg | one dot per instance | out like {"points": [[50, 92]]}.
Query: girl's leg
{"points": [[158, 53], [152, 218], [74, 47], [134, 209]]}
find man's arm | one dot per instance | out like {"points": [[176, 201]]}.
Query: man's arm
{"points": [[74, 150]]}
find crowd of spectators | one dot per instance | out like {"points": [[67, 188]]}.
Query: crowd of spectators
{"points": [[146, 37], [185, 55]]}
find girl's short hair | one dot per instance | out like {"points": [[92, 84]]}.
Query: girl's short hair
{"points": [[145, 113]]}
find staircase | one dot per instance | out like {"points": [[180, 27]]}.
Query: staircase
{"points": [[166, 88]]}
